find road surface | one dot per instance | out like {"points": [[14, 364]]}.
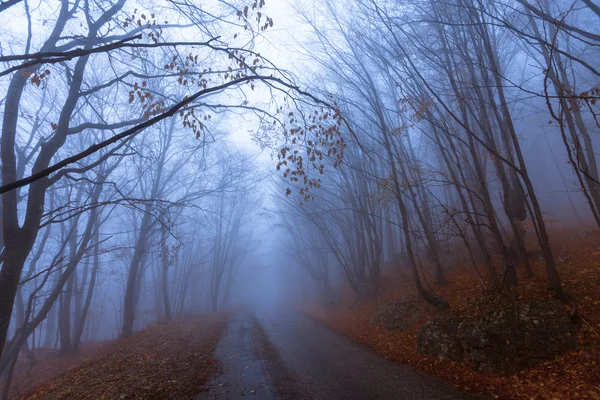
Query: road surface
{"points": [[280, 354]]}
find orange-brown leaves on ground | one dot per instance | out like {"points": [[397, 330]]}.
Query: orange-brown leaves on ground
{"points": [[47, 365], [574, 375], [166, 361]]}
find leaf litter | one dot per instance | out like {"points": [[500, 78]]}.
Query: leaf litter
{"points": [[165, 361], [574, 375]]}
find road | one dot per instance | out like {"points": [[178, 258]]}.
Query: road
{"points": [[280, 354]]}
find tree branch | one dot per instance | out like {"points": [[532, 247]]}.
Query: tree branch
{"points": [[152, 121]]}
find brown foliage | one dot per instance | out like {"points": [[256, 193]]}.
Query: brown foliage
{"points": [[574, 375], [166, 361], [48, 365]]}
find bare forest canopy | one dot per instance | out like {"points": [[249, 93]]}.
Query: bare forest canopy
{"points": [[401, 132]]}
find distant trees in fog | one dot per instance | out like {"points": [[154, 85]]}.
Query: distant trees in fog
{"points": [[436, 94], [123, 202], [117, 206]]}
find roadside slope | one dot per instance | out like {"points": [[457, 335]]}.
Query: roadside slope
{"points": [[573, 375], [166, 361]]}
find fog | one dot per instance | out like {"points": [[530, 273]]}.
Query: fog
{"points": [[162, 159]]}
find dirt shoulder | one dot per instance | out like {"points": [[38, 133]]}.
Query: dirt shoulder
{"points": [[166, 361], [574, 375]]}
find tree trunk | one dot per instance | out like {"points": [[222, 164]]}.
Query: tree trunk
{"points": [[165, 274], [90, 293]]}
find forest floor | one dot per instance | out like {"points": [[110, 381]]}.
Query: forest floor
{"points": [[166, 361], [48, 365], [574, 375]]}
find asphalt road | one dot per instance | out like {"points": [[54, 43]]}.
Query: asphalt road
{"points": [[280, 354]]}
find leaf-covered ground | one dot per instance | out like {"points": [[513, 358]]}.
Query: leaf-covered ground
{"points": [[48, 365], [575, 375], [166, 361]]}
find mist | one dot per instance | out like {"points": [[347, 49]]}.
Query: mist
{"points": [[246, 163]]}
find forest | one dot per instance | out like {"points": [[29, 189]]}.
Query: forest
{"points": [[399, 172]]}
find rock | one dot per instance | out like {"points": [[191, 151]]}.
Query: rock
{"points": [[397, 315], [519, 337], [507, 340], [438, 338]]}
